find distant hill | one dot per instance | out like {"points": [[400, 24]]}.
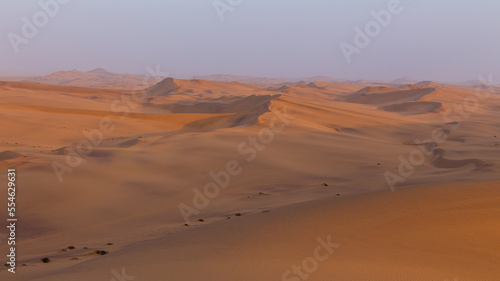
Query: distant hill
{"points": [[96, 78], [404, 80], [261, 81]]}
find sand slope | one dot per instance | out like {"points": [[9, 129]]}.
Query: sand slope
{"points": [[424, 233]]}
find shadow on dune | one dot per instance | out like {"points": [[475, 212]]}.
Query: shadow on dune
{"points": [[440, 162], [9, 154], [248, 103], [404, 101], [413, 107], [387, 96]]}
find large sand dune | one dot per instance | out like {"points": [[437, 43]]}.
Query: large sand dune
{"points": [[312, 159], [425, 233]]}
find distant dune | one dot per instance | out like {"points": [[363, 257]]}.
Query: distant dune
{"points": [[259, 81], [97, 78], [404, 80]]}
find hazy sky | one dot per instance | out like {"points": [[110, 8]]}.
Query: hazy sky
{"points": [[446, 40]]}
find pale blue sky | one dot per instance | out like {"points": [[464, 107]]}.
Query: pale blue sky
{"points": [[446, 40]]}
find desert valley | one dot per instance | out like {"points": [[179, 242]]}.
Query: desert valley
{"points": [[265, 180]]}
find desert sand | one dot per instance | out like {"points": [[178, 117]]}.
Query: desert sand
{"points": [[305, 163]]}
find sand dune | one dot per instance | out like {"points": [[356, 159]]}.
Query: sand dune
{"points": [[380, 236], [312, 161], [163, 88]]}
